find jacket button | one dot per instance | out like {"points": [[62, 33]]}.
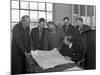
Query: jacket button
{"points": [[74, 54]]}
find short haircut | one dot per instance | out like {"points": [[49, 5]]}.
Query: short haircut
{"points": [[23, 17], [66, 18], [80, 19], [41, 20], [50, 22]]}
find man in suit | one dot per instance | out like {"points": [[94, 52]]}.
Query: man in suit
{"points": [[72, 49], [20, 45], [82, 29], [54, 36], [38, 35], [85, 33], [71, 46], [44, 39]]}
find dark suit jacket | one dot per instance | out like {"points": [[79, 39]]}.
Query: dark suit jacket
{"points": [[83, 35], [91, 50], [38, 43], [54, 40], [75, 51], [20, 44], [71, 31]]}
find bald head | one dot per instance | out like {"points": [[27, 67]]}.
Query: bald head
{"points": [[25, 20]]}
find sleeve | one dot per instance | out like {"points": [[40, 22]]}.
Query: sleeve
{"points": [[70, 46], [62, 35], [89, 28], [19, 40], [76, 50]]}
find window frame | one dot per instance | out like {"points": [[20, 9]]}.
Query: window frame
{"points": [[29, 9]]}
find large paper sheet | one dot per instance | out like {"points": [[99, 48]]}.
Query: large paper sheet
{"points": [[50, 59], [74, 69]]}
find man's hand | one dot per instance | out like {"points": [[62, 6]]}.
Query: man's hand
{"points": [[26, 54], [34, 53], [66, 41]]}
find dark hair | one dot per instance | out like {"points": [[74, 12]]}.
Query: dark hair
{"points": [[41, 20], [50, 22], [80, 19], [66, 18]]}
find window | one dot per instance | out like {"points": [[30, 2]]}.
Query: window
{"points": [[34, 16], [49, 6], [49, 16], [15, 4], [82, 10], [33, 5], [90, 11], [24, 5], [42, 15], [41, 6], [34, 9], [15, 15], [75, 9], [88, 21], [86, 12], [23, 12]]}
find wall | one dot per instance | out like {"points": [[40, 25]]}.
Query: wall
{"points": [[60, 11]]}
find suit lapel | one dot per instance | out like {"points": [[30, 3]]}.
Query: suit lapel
{"points": [[37, 34], [25, 36]]}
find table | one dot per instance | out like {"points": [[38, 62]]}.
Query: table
{"points": [[33, 67]]}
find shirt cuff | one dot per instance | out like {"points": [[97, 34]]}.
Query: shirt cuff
{"points": [[70, 45]]}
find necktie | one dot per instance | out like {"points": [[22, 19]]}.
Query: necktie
{"points": [[40, 33]]}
